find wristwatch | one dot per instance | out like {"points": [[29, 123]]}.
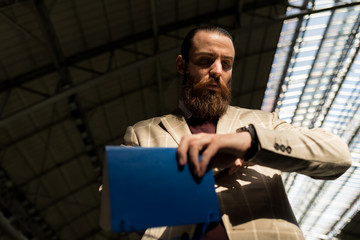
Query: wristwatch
{"points": [[254, 141]]}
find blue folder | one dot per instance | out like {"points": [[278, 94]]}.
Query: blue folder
{"points": [[147, 189]]}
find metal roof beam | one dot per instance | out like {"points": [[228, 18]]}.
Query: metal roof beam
{"points": [[16, 204], [350, 42], [98, 50], [314, 61], [66, 118], [53, 45], [74, 219], [24, 213], [6, 226], [21, 28], [9, 3], [70, 194], [156, 49], [76, 88], [82, 56]]}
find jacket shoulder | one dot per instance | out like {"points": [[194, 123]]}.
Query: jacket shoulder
{"points": [[156, 121], [147, 122], [252, 112]]}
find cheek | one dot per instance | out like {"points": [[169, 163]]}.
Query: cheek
{"points": [[198, 75], [227, 81], [227, 78]]}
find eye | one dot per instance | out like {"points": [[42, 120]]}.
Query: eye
{"points": [[226, 65], [204, 62]]}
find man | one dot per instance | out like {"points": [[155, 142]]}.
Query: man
{"points": [[247, 149]]}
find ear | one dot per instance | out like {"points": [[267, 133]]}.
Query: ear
{"points": [[180, 64]]}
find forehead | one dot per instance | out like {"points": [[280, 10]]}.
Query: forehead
{"points": [[212, 42]]}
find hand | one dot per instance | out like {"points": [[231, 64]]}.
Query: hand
{"points": [[233, 146]]}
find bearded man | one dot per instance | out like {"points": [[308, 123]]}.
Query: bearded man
{"points": [[247, 149]]}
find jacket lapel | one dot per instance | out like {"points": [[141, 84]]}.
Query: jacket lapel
{"points": [[229, 122], [176, 125]]}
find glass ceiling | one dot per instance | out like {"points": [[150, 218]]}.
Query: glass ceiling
{"points": [[317, 66]]}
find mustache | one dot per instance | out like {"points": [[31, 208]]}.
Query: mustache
{"points": [[224, 88]]}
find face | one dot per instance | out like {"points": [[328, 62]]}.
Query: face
{"points": [[207, 75]]}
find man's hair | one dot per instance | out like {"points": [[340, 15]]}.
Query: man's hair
{"points": [[187, 43]]}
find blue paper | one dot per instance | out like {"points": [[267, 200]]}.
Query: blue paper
{"points": [[147, 189]]}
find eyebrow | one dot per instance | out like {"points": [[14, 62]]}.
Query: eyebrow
{"points": [[211, 54]]}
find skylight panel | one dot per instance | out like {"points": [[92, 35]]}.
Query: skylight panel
{"points": [[321, 88]]}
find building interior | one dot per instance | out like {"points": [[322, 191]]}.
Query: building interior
{"points": [[74, 74]]}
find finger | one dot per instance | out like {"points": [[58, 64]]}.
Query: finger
{"points": [[182, 151], [205, 160], [206, 157], [194, 158], [238, 162], [233, 170]]}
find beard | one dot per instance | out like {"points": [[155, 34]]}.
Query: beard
{"points": [[206, 104]]}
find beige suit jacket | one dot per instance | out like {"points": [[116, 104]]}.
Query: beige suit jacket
{"points": [[253, 201]]}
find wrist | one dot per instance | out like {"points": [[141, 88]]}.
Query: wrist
{"points": [[252, 150]]}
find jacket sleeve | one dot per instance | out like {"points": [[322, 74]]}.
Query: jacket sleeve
{"points": [[312, 152]]}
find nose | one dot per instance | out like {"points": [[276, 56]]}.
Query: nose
{"points": [[216, 69]]}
